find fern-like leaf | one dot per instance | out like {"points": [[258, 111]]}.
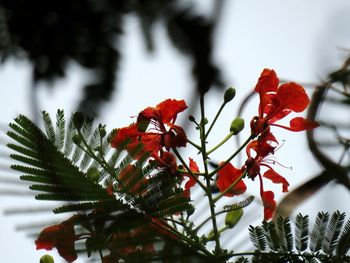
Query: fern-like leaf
{"points": [[257, 236], [332, 232], [326, 235], [317, 234], [301, 232], [60, 129], [240, 204], [344, 240], [50, 131], [285, 233]]}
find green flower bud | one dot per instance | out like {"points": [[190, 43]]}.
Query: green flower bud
{"points": [[78, 120], [46, 259], [190, 210], [93, 174], [76, 139], [237, 125], [102, 130], [191, 118], [230, 93], [205, 121], [233, 217]]}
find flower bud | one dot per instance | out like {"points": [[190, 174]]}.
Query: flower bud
{"points": [[190, 210], [205, 121], [191, 118], [78, 120], [76, 139], [237, 125], [230, 93], [233, 217], [102, 130], [46, 259]]}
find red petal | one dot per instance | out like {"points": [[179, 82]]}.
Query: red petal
{"points": [[269, 204], [123, 134], [267, 82], [67, 251], [194, 168], [277, 179], [177, 139], [301, 124], [62, 237], [293, 97], [47, 237], [149, 113], [170, 108], [279, 115], [227, 175]]}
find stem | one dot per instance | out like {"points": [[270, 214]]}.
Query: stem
{"points": [[91, 153], [232, 156], [101, 255], [229, 188], [194, 145], [207, 177], [220, 231], [215, 119], [221, 143]]}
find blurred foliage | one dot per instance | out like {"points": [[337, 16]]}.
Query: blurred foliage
{"points": [[53, 33]]}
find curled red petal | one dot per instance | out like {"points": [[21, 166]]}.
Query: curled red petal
{"points": [[269, 204], [227, 175], [277, 179], [293, 97], [191, 181], [301, 124]]}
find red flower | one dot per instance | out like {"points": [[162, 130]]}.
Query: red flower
{"points": [[260, 153], [62, 237], [277, 102], [227, 175], [164, 114], [163, 133]]}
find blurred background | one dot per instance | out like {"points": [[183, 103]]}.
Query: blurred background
{"points": [[111, 59]]}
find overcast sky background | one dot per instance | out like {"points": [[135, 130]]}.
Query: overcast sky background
{"points": [[301, 40]]}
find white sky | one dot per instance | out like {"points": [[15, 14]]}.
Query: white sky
{"points": [[299, 39]]}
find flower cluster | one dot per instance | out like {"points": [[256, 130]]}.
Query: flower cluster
{"points": [[276, 102], [155, 137], [158, 139]]}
